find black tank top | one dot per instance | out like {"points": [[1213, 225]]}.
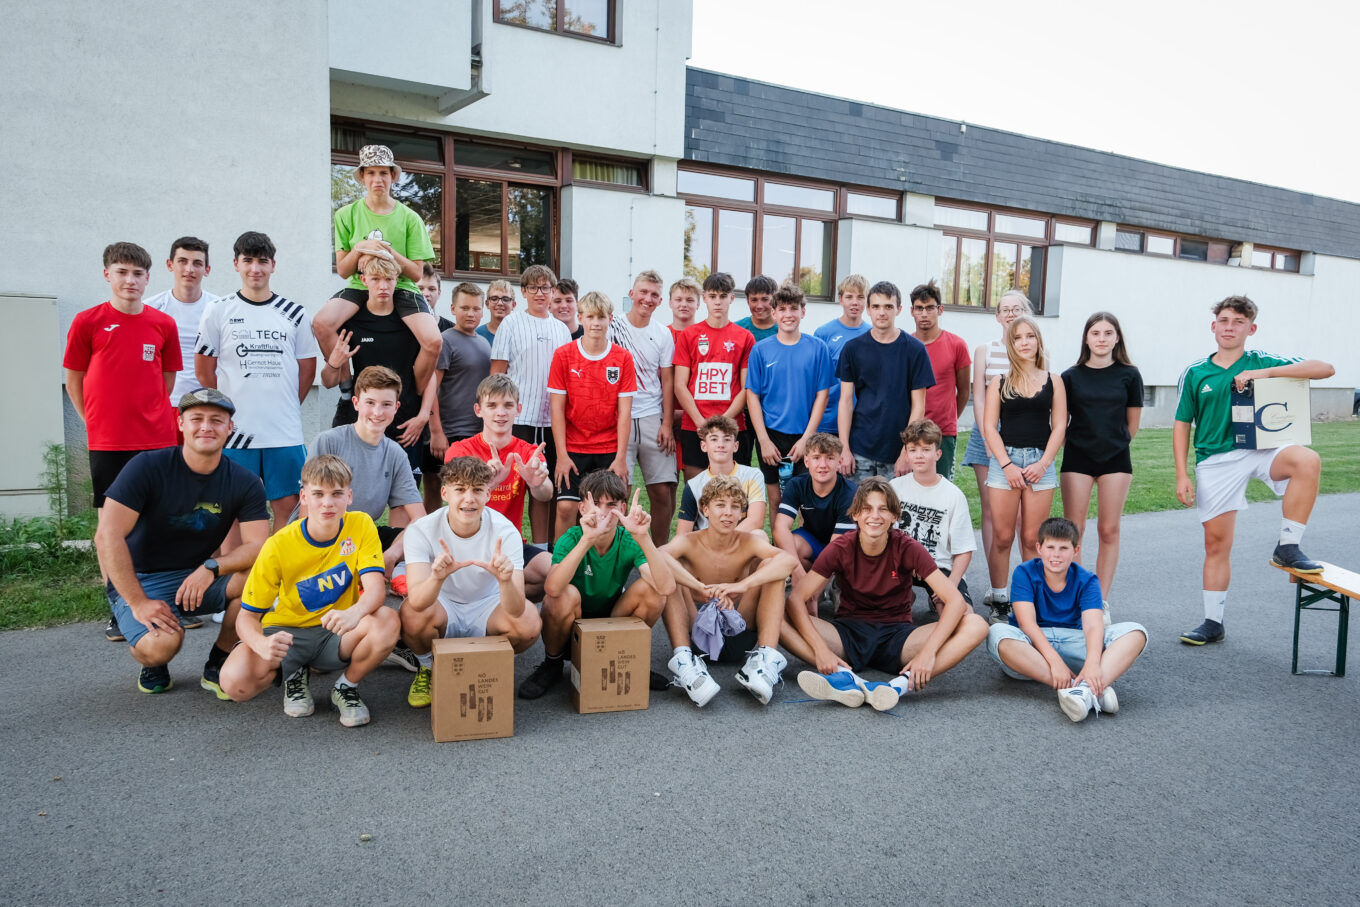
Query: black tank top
{"points": [[1026, 421]]}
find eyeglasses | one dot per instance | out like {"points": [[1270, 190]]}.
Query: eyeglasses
{"points": [[924, 308], [1011, 310], [500, 299], [546, 288]]}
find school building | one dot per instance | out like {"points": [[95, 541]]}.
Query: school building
{"points": [[572, 133]]}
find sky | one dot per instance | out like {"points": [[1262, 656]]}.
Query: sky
{"points": [[1258, 91]]}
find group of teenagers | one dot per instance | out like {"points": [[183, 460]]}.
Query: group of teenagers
{"points": [[193, 412]]}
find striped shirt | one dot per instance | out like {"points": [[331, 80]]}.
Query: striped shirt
{"points": [[257, 346], [527, 344], [998, 363], [652, 349]]}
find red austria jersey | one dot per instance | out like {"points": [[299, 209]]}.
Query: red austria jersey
{"points": [[592, 387], [715, 358]]}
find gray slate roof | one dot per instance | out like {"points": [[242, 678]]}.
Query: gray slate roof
{"points": [[744, 123]]}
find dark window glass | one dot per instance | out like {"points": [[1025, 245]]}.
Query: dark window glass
{"points": [[529, 227], [1194, 250], [423, 193], [478, 228], [1128, 241], [512, 160]]}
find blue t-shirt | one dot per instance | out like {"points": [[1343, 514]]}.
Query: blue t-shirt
{"points": [[758, 333], [884, 375], [1056, 609], [824, 517], [836, 335], [787, 379], [182, 516], [485, 331]]}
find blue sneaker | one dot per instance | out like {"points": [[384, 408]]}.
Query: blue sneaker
{"points": [[1291, 558], [838, 687], [154, 679], [881, 696]]}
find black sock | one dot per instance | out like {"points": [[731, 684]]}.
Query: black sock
{"points": [[217, 656], [558, 657]]}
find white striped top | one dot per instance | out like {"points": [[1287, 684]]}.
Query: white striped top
{"points": [[527, 344], [997, 361]]}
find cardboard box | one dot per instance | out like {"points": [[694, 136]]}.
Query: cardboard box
{"points": [[473, 691], [1272, 412], [611, 663]]}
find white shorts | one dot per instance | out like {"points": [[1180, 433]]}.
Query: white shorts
{"points": [[657, 465], [468, 620], [1221, 480]]}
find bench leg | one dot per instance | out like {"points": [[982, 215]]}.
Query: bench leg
{"points": [[1343, 619], [1298, 614]]}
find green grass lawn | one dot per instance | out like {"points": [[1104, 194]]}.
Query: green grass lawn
{"points": [[39, 589]]}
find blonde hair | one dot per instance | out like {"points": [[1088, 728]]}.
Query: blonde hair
{"points": [[1018, 296], [1010, 381], [857, 282], [724, 487], [381, 267], [595, 303], [326, 471]]}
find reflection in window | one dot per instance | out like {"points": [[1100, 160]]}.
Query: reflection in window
{"points": [[692, 182], [1072, 233], [477, 230], [972, 271], [949, 261], [533, 13], [870, 205], [698, 243], [814, 256], [423, 193], [963, 218], [799, 197], [514, 160], [529, 227], [736, 240], [776, 247], [586, 17], [1003, 269], [580, 17]]}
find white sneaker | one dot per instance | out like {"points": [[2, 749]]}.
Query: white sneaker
{"points": [[879, 696], [691, 673], [297, 694], [217, 618], [1108, 701], [353, 712], [761, 672], [1077, 701]]}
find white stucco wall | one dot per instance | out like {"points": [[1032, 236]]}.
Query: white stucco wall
{"points": [[439, 57], [609, 236]]}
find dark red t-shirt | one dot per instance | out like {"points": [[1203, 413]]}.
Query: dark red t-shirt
{"points": [[125, 358], [592, 388], [875, 588], [715, 358], [948, 353], [507, 498]]}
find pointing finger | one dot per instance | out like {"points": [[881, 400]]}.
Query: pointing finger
{"points": [[538, 451], [445, 545], [497, 551], [636, 493]]}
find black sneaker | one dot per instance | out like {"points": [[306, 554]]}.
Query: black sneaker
{"points": [[112, 633], [543, 678], [404, 658], [658, 682], [190, 621], [212, 679], [1291, 558], [155, 679], [1209, 631]]}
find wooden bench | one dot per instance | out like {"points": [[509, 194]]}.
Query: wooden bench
{"points": [[1334, 585]]}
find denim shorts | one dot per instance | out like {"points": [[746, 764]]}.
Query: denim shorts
{"points": [[1070, 644], [1022, 457], [866, 468], [162, 587], [975, 454]]}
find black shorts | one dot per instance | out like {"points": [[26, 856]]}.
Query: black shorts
{"points": [[104, 468], [586, 463], [531, 551], [746, 444], [404, 301], [388, 534], [429, 463], [536, 435], [1078, 462], [784, 441], [691, 454], [870, 644]]}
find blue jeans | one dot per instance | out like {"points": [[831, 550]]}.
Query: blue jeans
{"points": [[1022, 457], [1070, 644], [162, 587]]}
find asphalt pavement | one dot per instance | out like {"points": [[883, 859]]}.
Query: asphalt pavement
{"points": [[1222, 779]]}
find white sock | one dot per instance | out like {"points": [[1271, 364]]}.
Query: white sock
{"points": [[344, 681], [685, 649], [426, 660], [901, 683], [1291, 533], [1214, 603], [1000, 594]]}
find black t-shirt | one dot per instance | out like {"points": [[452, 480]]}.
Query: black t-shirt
{"points": [[1098, 400], [383, 340], [824, 517], [1025, 421], [183, 516]]}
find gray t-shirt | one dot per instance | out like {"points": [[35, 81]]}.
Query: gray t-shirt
{"points": [[465, 361], [382, 472]]}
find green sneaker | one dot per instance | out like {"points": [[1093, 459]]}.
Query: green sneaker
{"points": [[418, 697], [155, 679]]}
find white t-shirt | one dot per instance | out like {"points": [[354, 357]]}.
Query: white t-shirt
{"points": [[937, 517], [653, 349], [468, 587], [527, 344], [187, 316], [258, 345]]}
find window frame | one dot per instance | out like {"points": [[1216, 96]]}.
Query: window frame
{"points": [[992, 236], [1276, 256], [843, 204], [450, 172], [758, 209], [569, 178], [613, 39]]}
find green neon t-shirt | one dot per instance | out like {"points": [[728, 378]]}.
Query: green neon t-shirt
{"points": [[403, 228], [600, 577]]}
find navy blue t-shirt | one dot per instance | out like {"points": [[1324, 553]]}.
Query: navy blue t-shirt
{"points": [[183, 516], [1056, 609], [822, 517], [884, 375]]}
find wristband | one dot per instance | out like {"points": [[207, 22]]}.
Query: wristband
{"points": [[1008, 463]]}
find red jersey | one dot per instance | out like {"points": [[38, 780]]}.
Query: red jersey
{"points": [[507, 498], [715, 357], [592, 387], [125, 358], [948, 353]]}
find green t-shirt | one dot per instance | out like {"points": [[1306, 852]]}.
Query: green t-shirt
{"points": [[403, 228], [1206, 399], [600, 577]]}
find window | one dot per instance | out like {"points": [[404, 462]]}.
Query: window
{"points": [[985, 253], [627, 174], [748, 225], [1274, 259], [1160, 245], [594, 19], [864, 205], [501, 200], [1128, 241]]}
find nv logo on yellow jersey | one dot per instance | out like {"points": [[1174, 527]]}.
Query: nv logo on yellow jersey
{"points": [[325, 589]]}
